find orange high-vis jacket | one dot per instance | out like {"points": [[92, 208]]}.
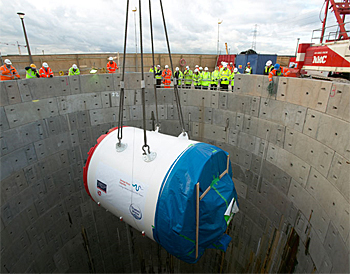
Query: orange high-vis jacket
{"points": [[8, 74], [45, 73], [112, 67], [284, 72]]}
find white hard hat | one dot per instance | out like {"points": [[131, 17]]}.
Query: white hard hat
{"points": [[8, 62], [200, 68], [269, 63], [230, 63], [187, 67], [75, 66], [197, 66], [177, 68], [196, 70], [158, 66], [45, 65], [225, 65], [166, 66], [235, 70], [206, 68], [110, 58], [222, 62]]}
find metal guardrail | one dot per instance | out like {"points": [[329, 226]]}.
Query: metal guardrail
{"points": [[333, 33]]}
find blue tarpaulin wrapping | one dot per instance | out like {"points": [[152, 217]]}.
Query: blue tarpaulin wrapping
{"points": [[175, 217]]}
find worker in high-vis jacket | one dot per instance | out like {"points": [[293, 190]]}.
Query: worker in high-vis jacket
{"points": [[45, 71], [188, 74], [225, 77], [111, 65], [230, 67], [268, 68], [178, 76], [235, 72], [196, 77], [166, 75], [205, 78], [215, 77], [278, 71], [31, 72], [74, 70], [8, 72], [248, 69], [158, 76]]}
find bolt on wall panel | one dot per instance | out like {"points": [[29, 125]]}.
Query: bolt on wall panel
{"points": [[24, 113], [338, 103]]}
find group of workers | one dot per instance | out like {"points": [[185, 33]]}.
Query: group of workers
{"points": [[9, 72], [200, 78], [222, 76]]}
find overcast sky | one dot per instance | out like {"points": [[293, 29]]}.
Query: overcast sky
{"points": [[78, 26]]}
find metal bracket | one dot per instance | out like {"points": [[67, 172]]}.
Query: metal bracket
{"points": [[149, 157], [121, 84], [143, 84], [120, 147]]}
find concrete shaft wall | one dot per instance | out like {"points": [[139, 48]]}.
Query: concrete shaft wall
{"points": [[290, 154]]}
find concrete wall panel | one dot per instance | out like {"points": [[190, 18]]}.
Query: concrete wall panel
{"points": [[310, 150], [338, 104], [309, 206], [288, 162], [13, 94], [74, 103], [24, 113], [334, 204], [337, 251], [339, 175], [328, 130]]}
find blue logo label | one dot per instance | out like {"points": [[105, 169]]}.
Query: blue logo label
{"points": [[135, 211], [137, 187]]}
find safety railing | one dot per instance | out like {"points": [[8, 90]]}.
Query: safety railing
{"points": [[333, 33]]}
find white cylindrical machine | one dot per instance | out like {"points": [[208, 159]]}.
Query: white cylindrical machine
{"points": [[183, 199], [124, 183]]}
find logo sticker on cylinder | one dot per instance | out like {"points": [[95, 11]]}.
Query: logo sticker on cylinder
{"points": [[102, 186], [135, 211]]}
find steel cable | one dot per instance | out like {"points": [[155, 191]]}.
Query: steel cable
{"points": [[176, 91], [121, 99], [143, 87], [154, 70]]}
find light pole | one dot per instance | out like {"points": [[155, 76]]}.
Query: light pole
{"points": [[134, 11], [296, 50], [21, 16], [217, 47]]}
